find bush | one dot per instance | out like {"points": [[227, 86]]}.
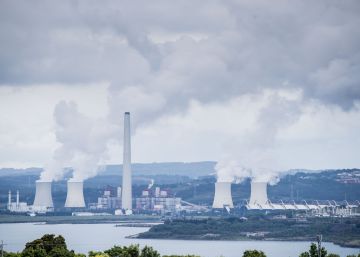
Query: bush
{"points": [[254, 253]]}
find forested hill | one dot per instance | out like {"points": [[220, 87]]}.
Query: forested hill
{"points": [[189, 169]]}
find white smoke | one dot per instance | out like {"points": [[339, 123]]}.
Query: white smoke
{"points": [[83, 143], [254, 154], [152, 181]]}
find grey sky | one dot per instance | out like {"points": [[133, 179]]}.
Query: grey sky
{"points": [[167, 62]]}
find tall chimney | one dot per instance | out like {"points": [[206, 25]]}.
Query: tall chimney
{"points": [[75, 194], [17, 198], [126, 196], [9, 198], [43, 195], [258, 194], [222, 196]]}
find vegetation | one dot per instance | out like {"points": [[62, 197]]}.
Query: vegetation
{"points": [[50, 245], [314, 252], [345, 232], [254, 253]]}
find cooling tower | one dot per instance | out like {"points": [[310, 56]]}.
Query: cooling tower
{"points": [[222, 195], [43, 195], [258, 193], [75, 195]]}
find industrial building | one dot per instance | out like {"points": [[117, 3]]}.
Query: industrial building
{"points": [[157, 200], [17, 206], [259, 201], [110, 200]]}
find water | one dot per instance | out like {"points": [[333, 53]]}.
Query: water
{"points": [[85, 237]]}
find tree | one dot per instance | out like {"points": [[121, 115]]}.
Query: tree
{"points": [[114, 251], [180, 256], [148, 251], [313, 252], [125, 251], [48, 245], [131, 251], [35, 251], [254, 253], [9, 254], [95, 253]]}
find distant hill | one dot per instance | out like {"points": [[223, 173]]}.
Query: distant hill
{"points": [[190, 169], [191, 182]]}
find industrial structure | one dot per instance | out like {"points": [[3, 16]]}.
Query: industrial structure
{"points": [[110, 200], [222, 197], [17, 206], [258, 195], [126, 196], [157, 201], [43, 198], [259, 202], [75, 194]]}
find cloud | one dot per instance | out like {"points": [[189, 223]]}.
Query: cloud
{"points": [[161, 58], [245, 46]]}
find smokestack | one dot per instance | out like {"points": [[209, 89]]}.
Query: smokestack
{"points": [[75, 194], [118, 193], [258, 193], [126, 196], [43, 195], [9, 198], [17, 197], [222, 195]]}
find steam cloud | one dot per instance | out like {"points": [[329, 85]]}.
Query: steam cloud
{"points": [[157, 62], [255, 156], [83, 143]]}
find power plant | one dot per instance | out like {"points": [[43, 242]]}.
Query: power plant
{"points": [[258, 193], [75, 194], [222, 196], [119, 199], [126, 196], [43, 197]]}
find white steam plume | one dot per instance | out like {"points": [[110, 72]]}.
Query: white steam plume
{"points": [[254, 155], [83, 143]]}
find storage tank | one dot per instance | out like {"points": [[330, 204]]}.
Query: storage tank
{"points": [[223, 196], [258, 193], [75, 194], [43, 197]]}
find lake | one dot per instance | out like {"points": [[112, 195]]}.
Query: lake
{"points": [[85, 237]]}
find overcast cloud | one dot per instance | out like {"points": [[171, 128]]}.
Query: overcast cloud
{"points": [[279, 78]]}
